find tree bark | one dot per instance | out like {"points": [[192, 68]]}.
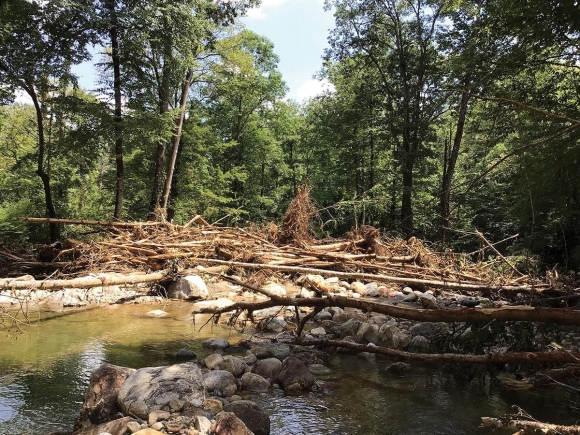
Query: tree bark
{"points": [[118, 109], [523, 427], [50, 210], [176, 137], [450, 163]]}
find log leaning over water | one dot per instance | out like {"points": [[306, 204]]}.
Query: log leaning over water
{"points": [[523, 427], [560, 316]]}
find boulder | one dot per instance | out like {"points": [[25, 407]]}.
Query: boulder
{"points": [[220, 383], [275, 289], [275, 324], [100, 405], [268, 368], [252, 415], [186, 354], [367, 333], [371, 290], [236, 366], [350, 327], [358, 287], [228, 424], [294, 371], [428, 300], [411, 297], [213, 361], [216, 343], [261, 352], [323, 315], [188, 287], [153, 388], [114, 427], [429, 330], [281, 351], [419, 344], [255, 383], [393, 337]]}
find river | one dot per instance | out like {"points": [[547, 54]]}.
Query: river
{"points": [[44, 374]]}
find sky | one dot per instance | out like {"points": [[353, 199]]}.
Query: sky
{"points": [[298, 29]]}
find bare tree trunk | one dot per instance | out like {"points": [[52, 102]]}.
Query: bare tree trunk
{"points": [[50, 210], [118, 110], [449, 164], [176, 137], [407, 201]]}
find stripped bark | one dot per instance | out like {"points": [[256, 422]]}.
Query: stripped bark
{"points": [[523, 427]]}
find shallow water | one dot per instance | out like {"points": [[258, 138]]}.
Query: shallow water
{"points": [[44, 374]]}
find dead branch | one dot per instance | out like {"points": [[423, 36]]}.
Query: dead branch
{"points": [[523, 427], [92, 223], [518, 313], [490, 358]]}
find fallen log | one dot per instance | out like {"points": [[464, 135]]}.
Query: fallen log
{"points": [[95, 223], [435, 283], [490, 358], [101, 280], [523, 427], [518, 313]]}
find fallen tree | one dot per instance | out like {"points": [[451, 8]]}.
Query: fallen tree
{"points": [[523, 427]]}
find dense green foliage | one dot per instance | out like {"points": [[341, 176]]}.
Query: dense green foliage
{"points": [[445, 116]]}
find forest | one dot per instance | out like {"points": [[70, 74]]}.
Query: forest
{"points": [[445, 118]]}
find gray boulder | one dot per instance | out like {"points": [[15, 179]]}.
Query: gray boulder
{"points": [[255, 383], [419, 344], [350, 327], [220, 383], [294, 371], [252, 415], [367, 333], [152, 388], [216, 343], [428, 300], [268, 368], [281, 351], [274, 324], [236, 366], [213, 361], [393, 337], [188, 287]]}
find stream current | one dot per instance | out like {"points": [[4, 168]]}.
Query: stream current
{"points": [[44, 374]]}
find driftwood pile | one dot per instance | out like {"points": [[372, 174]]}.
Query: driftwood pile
{"points": [[129, 247]]}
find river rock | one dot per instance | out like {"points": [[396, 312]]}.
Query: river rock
{"points": [[467, 301], [148, 431], [216, 343], [114, 427], [393, 337], [318, 369], [186, 354], [358, 287], [157, 313], [429, 330], [323, 315], [419, 344], [255, 383], [308, 358], [407, 290], [268, 368], [236, 366], [100, 403], [398, 368], [252, 415], [152, 388], [188, 287], [274, 324], [318, 332], [428, 300], [367, 333], [275, 289], [411, 297], [281, 351], [261, 352], [216, 304], [202, 424], [372, 290], [213, 361], [305, 293], [250, 358], [220, 383], [350, 327], [294, 371], [228, 424]]}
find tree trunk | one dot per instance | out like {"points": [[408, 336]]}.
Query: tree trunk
{"points": [[118, 110], [50, 210], [449, 164], [176, 137], [407, 164], [523, 427]]}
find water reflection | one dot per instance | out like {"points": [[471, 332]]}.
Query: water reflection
{"points": [[43, 377]]}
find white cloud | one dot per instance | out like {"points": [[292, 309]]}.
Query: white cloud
{"points": [[313, 88], [260, 13]]}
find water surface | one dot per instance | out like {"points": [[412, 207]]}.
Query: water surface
{"points": [[44, 374]]}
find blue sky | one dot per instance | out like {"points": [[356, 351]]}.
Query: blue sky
{"points": [[298, 29]]}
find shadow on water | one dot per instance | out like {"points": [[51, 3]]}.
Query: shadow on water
{"points": [[44, 374]]}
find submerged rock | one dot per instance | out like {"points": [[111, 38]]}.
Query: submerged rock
{"points": [[294, 371]]}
